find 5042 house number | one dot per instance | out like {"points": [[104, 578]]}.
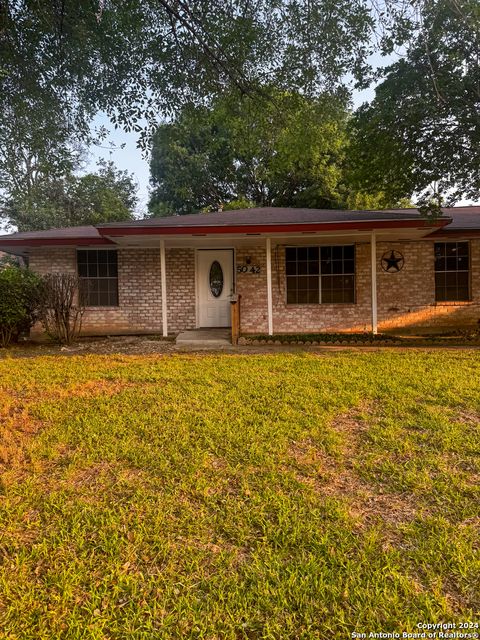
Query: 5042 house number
{"points": [[248, 268]]}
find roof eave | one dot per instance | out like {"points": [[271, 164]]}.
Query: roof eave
{"points": [[112, 232], [44, 242], [107, 235], [458, 232]]}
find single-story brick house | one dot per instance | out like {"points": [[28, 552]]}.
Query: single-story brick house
{"points": [[294, 270]]}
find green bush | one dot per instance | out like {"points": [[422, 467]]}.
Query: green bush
{"points": [[20, 292]]}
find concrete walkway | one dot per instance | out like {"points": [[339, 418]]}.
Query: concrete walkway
{"points": [[204, 338]]}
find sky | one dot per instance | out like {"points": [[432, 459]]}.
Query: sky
{"points": [[129, 158]]}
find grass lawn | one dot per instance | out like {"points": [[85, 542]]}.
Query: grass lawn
{"points": [[228, 496]]}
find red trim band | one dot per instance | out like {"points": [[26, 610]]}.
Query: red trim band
{"points": [[107, 232], [270, 228]]}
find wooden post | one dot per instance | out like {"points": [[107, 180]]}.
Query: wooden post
{"points": [[235, 316], [373, 258]]}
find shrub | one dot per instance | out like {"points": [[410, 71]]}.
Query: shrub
{"points": [[20, 292], [62, 308], [7, 260]]}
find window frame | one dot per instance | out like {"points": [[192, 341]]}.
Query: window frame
{"points": [[320, 275], [468, 271], [97, 278]]}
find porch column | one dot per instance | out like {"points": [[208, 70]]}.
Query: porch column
{"points": [[269, 287], [163, 280], [373, 259]]}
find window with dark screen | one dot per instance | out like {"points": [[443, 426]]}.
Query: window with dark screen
{"points": [[98, 273], [452, 271], [317, 275]]}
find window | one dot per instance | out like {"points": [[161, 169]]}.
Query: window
{"points": [[98, 274], [320, 274], [451, 271], [216, 279]]}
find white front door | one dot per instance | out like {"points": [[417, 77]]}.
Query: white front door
{"points": [[215, 286]]}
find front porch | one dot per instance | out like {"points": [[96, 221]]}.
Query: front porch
{"points": [[202, 282], [165, 285], [268, 272]]}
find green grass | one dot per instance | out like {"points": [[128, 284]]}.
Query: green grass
{"points": [[229, 496]]}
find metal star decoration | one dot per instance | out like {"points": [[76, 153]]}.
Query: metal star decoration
{"points": [[392, 261]]}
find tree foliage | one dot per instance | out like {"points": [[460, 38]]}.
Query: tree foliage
{"points": [[422, 131], [20, 294], [106, 196], [35, 145], [290, 151], [287, 151], [137, 58]]}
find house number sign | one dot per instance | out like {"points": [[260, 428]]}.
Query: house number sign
{"points": [[248, 268]]}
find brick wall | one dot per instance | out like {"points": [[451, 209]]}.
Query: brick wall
{"points": [[406, 300], [139, 290], [181, 304], [253, 289]]}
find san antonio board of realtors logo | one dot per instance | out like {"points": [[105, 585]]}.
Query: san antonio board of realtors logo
{"points": [[392, 261]]}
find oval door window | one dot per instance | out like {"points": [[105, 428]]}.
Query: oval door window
{"points": [[216, 279]]}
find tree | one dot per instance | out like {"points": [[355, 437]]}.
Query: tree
{"points": [[106, 196], [287, 151], [422, 131], [37, 149], [65, 61], [35, 146], [138, 58], [62, 62], [361, 201]]}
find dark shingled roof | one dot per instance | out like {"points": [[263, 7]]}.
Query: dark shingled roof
{"points": [[463, 218], [266, 216], [87, 232]]}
